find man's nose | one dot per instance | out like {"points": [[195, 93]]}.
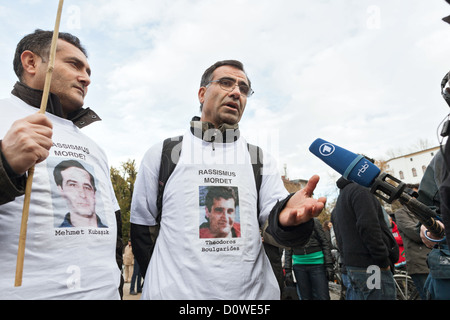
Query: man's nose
{"points": [[82, 193], [236, 92], [85, 79]]}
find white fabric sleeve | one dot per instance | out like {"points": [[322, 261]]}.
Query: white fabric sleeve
{"points": [[143, 205], [272, 188]]}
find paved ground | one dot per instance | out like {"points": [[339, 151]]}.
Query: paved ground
{"points": [[334, 292], [126, 293]]}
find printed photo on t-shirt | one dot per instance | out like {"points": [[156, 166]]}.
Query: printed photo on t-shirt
{"points": [[219, 212], [76, 202]]}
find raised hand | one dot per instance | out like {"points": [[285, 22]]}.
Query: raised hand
{"points": [[301, 207]]}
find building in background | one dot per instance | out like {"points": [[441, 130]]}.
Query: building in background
{"points": [[410, 168], [293, 185]]}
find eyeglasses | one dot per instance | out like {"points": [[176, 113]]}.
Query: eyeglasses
{"points": [[229, 85]]}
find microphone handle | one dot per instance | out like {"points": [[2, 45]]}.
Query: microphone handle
{"points": [[389, 188], [425, 215]]}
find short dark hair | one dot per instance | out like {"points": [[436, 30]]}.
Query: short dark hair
{"points": [[220, 192], [208, 74], [66, 165], [39, 42]]}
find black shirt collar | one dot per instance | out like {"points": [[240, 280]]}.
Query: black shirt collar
{"points": [[206, 131], [33, 97]]}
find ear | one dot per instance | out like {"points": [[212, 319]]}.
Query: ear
{"points": [[201, 95], [207, 214], [30, 62]]}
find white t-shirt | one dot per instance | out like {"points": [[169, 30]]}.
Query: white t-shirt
{"points": [[60, 262], [186, 266]]}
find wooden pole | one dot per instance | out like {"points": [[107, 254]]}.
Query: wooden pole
{"points": [[43, 107]]}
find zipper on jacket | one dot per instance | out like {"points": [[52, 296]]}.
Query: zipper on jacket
{"points": [[213, 138]]}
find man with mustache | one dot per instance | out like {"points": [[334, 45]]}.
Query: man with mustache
{"points": [[60, 263], [214, 153]]}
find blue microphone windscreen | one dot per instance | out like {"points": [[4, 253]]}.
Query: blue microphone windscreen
{"points": [[350, 165]]}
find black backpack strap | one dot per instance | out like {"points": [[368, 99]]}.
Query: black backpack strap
{"points": [[169, 160], [256, 157], [168, 164]]}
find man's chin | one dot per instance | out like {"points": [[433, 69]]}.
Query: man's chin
{"points": [[230, 118], [86, 215], [225, 232], [72, 106]]}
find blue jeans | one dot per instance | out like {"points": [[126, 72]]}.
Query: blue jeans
{"points": [[312, 281], [136, 279], [437, 285], [419, 281], [348, 286], [360, 290]]}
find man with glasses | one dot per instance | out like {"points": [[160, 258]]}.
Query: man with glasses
{"points": [[184, 265]]}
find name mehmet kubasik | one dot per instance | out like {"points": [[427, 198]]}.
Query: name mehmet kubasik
{"points": [[78, 232]]}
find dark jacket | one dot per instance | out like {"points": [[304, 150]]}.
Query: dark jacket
{"points": [[362, 234], [415, 250], [317, 242], [12, 185]]}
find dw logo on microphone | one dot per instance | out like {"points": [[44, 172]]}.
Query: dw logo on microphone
{"points": [[327, 149]]}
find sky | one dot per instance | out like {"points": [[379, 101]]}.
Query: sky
{"points": [[364, 75]]}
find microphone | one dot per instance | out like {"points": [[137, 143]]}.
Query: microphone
{"points": [[352, 166], [358, 169]]}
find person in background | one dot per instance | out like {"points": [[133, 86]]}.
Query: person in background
{"points": [[364, 240], [398, 238], [415, 250], [313, 265], [136, 279], [128, 262]]}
